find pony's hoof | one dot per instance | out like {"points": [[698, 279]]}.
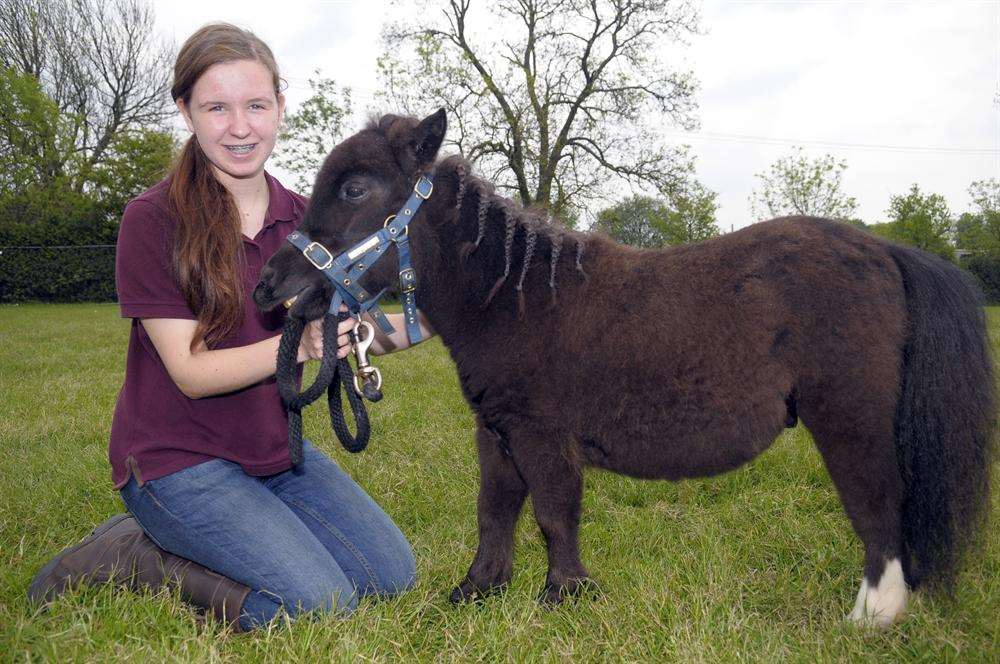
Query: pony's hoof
{"points": [[554, 594], [881, 605], [467, 591]]}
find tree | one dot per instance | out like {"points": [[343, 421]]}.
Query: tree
{"points": [[36, 140], [637, 221], [556, 101], [308, 135], [971, 234], [797, 184], [979, 230], [134, 160], [923, 221], [97, 61], [644, 221], [693, 216]]}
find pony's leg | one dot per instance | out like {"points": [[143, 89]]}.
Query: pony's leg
{"points": [[864, 469], [501, 496], [555, 483]]}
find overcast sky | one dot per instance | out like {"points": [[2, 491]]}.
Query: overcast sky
{"points": [[905, 92]]}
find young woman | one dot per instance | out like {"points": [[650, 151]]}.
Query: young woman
{"points": [[199, 446]]}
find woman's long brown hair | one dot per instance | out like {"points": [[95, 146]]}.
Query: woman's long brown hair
{"points": [[208, 245]]}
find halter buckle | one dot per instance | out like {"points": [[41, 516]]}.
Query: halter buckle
{"points": [[408, 280], [428, 186], [327, 260]]}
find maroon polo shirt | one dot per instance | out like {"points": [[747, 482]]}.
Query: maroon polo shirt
{"points": [[156, 429]]}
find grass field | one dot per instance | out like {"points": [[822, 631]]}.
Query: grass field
{"points": [[756, 565]]}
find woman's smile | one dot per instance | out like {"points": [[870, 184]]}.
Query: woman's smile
{"points": [[241, 150]]}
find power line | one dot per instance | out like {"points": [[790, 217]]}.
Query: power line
{"points": [[369, 95], [775, 140]]}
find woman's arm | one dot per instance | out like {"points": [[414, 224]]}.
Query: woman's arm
{"points": [[390, 343], [203, 372]]}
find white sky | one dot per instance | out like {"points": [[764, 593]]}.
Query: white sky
{"points": [[906, 92]]}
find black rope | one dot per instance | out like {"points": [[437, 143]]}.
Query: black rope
{"points": [[333, 373]]}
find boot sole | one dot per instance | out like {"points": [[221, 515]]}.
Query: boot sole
{"points": [[40, 584]]}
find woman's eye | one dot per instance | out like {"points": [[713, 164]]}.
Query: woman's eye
{"points": [[353, 191]]}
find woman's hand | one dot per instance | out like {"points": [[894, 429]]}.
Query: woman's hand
{"points": [[311, 345]]}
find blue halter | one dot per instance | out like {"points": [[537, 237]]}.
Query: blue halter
{"points": [[345, 270]]}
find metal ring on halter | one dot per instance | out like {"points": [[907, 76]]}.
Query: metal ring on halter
{"points": [[388, 220]]}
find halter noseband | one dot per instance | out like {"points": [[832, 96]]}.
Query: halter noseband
{"points": [[345, 270]]}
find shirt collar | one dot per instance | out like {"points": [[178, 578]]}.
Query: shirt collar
{"points": [[279, 205]]}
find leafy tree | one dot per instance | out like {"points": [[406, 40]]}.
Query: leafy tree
{"points": [[693, 216], [797, 184], [971, 233], [644, 221], [881, 229], [979, 230], [135, 160], [308, 135], [36, 140], [638, 221], [40, 172], [922, 220], [556, 101], [98, 62]]}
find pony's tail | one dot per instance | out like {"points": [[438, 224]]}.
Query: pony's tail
{"points": [[945, 417]]}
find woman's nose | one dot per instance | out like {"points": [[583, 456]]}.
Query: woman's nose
{"points": [[239, 126]]}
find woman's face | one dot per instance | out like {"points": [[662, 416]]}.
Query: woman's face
{"points": [[234, 113]]}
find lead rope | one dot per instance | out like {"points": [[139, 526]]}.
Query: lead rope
{"points": [[332, 374]]}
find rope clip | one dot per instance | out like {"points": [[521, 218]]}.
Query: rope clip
{"points": [[366, 374]]}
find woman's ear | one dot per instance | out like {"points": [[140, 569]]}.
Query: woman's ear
{"points": [[428, 136], [182, 107]]}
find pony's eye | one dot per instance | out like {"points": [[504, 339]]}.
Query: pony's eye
{"points": [[353, 191]]}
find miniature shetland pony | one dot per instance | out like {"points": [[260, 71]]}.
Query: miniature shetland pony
{"points": [[574, 351]]}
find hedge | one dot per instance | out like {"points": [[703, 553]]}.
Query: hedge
{"points": [[57, 274], [86, 273], [986, 270]]}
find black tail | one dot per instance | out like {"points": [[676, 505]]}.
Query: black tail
{"points": [[945, 418]]}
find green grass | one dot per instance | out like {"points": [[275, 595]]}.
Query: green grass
{"points": [[756, 565]]}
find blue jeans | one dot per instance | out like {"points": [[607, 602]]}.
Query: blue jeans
{"points": [[303, 540]]}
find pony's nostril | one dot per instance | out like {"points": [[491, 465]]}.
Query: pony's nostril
{"points": [[266, 276], [263, 293]]}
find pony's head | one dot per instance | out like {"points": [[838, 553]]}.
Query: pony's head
{"points": [[365, 179]]}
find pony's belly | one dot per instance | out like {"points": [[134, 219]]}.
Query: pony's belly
{"points": [[671, 460]]}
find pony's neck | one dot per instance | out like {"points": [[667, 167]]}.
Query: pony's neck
{"points": [[485, 258]]}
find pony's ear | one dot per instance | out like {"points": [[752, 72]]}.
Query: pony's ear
{"points": [[427, 137]]}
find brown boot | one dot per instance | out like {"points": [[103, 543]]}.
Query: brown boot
{"points": [[118, 549]]}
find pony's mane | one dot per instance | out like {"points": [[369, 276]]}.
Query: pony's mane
{"points": [[534, 224]]}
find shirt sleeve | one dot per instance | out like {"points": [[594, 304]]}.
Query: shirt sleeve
{"points": [[144, 275]]}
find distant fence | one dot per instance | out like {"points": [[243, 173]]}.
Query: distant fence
{"points": [[86, 273], [68, 273]]}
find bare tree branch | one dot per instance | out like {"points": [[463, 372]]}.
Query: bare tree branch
{"points": [[557, 99]]}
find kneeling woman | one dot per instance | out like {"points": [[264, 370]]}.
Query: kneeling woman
{"points": [[199, 442]]}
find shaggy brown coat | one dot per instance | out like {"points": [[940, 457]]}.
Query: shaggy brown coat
{"points": [[575, 351]]}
